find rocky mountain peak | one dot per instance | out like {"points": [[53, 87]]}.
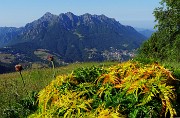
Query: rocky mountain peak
{"points": [[44, 21], [87, 16], [70, 15], [48, 17], [48, 14]]}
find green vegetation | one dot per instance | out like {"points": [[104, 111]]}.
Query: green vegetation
{"points": [[164, 44], [129, 89], [148, 86], [15, 102]]}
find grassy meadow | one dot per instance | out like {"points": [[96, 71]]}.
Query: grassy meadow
{"points": [[12, 89], [137, 88], [130, 89]]}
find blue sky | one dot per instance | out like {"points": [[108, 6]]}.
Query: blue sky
{"points": [[137, 13]]}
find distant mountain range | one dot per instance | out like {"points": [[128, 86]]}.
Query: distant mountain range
{"points": [[146, 32], [69, 38], [7, 34]]}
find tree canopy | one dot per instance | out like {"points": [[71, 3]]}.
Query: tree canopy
{"points": [[164, 44]]}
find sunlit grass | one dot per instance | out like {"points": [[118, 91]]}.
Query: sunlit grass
{"points": [[12, 88], [130, 88]]}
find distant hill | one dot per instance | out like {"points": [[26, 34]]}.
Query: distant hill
{"points": [[7, 34], [146, 32], [71, 38]]}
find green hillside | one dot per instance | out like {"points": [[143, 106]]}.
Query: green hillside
{"points": [[12, 90]]}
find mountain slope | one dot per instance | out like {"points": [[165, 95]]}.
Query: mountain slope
{"points": [[76, 38], [146, 32], [84, 27], [7, 34]]}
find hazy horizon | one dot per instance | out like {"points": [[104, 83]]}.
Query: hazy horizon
{"points": [[134, 13]]}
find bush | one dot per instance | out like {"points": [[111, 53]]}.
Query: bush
{"points": [[130, 89], [22, 107], [88, 74]]}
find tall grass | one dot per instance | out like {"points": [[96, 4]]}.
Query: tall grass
{"points": [[12, 89]]}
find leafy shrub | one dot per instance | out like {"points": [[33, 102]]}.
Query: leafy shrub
{"points": [[174, 68], [130, 89], [144, 60], [22, 108], [87, 74], [176, 73]]}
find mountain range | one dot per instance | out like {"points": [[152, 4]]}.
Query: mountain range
{"points": [[69, 38], [146, 32]]}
